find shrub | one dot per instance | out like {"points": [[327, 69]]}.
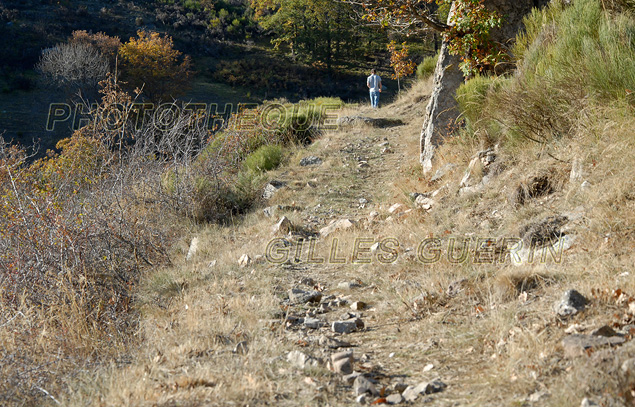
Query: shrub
{"points": [[76, 64], [265, 158], [426, 68], [151, 62]]}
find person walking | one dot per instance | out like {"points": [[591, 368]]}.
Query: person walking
{"points": [[374, 85]]}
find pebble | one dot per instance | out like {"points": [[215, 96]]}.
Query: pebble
{"points": [[312, 323]]}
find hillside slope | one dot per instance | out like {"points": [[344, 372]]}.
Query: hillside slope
{"points": [[229, 326], [358, 280]]}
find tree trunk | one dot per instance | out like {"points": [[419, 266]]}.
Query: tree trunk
{"points": [[442, 110]]}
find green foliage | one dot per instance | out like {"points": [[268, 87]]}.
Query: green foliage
{"points": [[426, 68], [579, 47], [319, 31], [265, 158], [570, 58]]}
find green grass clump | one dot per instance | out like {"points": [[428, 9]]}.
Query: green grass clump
{"points": [[265, 158], [426, 68], [570, 58]]}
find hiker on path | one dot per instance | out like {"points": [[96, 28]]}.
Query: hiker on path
{"points": [[374, 84]]}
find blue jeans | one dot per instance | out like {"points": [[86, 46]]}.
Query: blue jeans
{"points": [[374, 98]]}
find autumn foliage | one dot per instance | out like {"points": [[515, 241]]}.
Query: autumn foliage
{"points": [[468, 29], [399, 61], [151, 62]]}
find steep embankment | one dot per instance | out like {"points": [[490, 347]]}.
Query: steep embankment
{"points": [[450, 308]]}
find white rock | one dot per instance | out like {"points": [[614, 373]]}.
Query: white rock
{"points": [[244, 260], [193, 249]]}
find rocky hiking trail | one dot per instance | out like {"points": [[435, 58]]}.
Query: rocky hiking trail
{"points": [[319, 297]]}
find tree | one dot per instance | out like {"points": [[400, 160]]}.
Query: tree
{"points": [[318, 30], [468, 29], [399, 61], [150, 61]]}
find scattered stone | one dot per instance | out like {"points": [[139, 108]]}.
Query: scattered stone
{"points": [[374, 247], [297, 295], [244, 260], [362, 399], [578, 345], [341, 224], [302, 360], [350, 378], [212, 263], [585, 185], [363, 164], [192, 250], [312, 323], [343, 362], [373, 215], [363, 201], [588, 403], [332, 342], [383, 144], [410, 394], [570, 304], [284, 226], [387, 150], [358, 306], [241, 348], [307, 281], [344, 327], [424, 203], [310, 160], [362, 385], [271, 188], [394, 399], [348, 285]]}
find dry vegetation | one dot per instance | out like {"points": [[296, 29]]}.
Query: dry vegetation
{"points": [[212, 332]]}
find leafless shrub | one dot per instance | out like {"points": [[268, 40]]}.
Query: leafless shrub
{"points": [[76, 64]]}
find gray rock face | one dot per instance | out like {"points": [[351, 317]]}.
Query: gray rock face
{"points": [[442, 110], [571, 303], [310, 160]]}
